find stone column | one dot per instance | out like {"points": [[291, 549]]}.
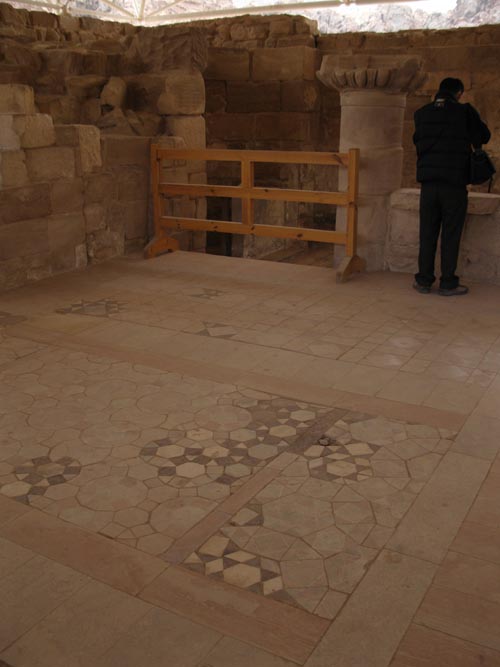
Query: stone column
{"points": [[373, 92]]}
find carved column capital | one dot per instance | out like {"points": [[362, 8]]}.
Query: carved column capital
{"points": [[385, 74]]}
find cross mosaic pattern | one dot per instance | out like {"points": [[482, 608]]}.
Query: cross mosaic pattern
{"points": [[308, 537]]}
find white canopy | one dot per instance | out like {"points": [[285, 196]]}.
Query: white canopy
{"points": [[162, 12]]}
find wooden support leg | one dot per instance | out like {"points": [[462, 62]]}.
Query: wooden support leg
{"points": [[160, 245], [350, 265]]}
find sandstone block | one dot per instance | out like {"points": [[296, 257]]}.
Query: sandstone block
{"points": [[300, 96], [65, 231], [100, 187], [91, 111], [115, 122], [174, 175], [215, 96], [281, 27], [286, 126], [144, 123], [15, 99], [113, 93], [231, 127], [131, 218], [83, 86], [190, 128], [35, 131], [81, 257], [25, 203], [104, 244], [64, 110], [47, 164], [184, 93], [296, 40], [407, 199], [63, 61], [285, 64], [170, 142], [13, 172], [119, 151], [132, 183], [95, 217], [228, 65], [9, 139], [66, 196], [248, 97], [23, 238], [89, 148]]}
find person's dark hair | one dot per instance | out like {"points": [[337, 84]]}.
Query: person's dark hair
{"points": [[451, 85]]}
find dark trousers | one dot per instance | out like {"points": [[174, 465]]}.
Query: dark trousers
{"points": [[442, 208]]}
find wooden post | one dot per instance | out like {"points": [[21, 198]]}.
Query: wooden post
{"points": [[351, 262], [160, 243], [247, 182]]}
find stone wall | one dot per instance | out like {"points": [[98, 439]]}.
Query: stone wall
{"points": [[112, 85], [67, 194], [480, 248], [126, 85], [471, 54]]}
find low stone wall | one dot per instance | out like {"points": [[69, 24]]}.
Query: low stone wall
{"points": [[480, 248]]}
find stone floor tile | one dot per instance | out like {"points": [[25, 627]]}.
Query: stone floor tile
{"points": [[79, 630], [94, 555], [455, 396], [430, 525], [476, 539], [461, 615], [12, 556], [376, 616], [422, 647], [469, 575], [231, 653], [408, 388], [32, 591], [159, 636], [480, 436], [280, 629], [365, 380]]}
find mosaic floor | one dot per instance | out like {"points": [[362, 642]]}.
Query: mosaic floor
{"points": [[313, 531], [277, 448]]}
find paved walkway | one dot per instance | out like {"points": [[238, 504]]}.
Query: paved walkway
{"points": [[215, 462]]}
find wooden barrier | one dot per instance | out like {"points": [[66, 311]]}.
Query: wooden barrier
{"points": [[248, 193]]}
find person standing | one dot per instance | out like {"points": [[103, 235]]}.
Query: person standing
{"points": [[445, 132]]}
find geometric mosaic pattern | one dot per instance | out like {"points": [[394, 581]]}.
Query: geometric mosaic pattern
{"points": [[100, 308], [195, 458], [37, 475], [311, 533], [136, 454]]}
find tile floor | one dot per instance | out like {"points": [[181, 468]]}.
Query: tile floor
{"points": [[294, 471]]}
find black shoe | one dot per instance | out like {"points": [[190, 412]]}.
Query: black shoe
{"points": [[422, 289], [459, 290]]}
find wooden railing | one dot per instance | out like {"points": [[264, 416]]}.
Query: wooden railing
{"points": [[248, 193]]}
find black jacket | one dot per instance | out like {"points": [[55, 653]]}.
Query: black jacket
{"points": [[445, 130]]}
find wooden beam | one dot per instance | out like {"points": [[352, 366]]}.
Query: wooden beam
{"points": [[275, 231], [279, 157], [239, 192]]}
